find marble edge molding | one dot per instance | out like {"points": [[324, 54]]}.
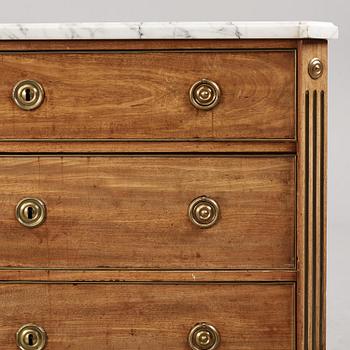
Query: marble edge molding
{"points": [[168, 30]]}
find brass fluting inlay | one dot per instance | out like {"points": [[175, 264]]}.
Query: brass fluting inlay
{"points": [[205, 94], [31, 337], [204, 336], [31, 212], [28, 94], [315, 68], [203, 212]]}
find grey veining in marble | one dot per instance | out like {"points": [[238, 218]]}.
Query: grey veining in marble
{"points": [[168, 30]]}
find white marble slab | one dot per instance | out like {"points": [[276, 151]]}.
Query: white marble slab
{"points": [[168, 30]]}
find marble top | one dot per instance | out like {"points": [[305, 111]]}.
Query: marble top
{"points": [[168, 30]]}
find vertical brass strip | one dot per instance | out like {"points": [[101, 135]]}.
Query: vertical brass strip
{"points": [[322, 213], [306, 216], [314, 216]]}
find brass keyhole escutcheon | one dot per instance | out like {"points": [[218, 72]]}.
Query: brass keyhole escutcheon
{"points": [[204, 336], [31, 212], [204, 212], [205, 94], [31, 337], [28, 94]]}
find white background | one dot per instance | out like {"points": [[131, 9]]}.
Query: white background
{"points": [[337, 11]]}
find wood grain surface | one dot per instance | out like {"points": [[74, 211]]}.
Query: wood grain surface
{"points": [[131, 212], [118, 265], [144, 95], [158, 317], [98, 147]]}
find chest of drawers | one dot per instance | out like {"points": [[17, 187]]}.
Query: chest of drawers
{"points": [[166, 193]]}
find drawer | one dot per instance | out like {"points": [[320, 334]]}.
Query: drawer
{"points": [[155, 316], [133, 212], [145, 95]]}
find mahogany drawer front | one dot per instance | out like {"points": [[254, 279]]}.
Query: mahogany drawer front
{"points": [[154, 316], [145, 95], [132, 212]]}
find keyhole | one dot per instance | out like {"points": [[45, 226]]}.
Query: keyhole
{"points": [[30, 213], [28, 95], [30, 339]]}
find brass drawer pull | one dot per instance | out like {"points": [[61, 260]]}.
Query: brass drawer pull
{"points": [[204, 212], [31, 212], [205, 94], [28, 94], [31, 337], [204, 336]]}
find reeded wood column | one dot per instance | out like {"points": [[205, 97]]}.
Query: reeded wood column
{"points": [[311, 153]]}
